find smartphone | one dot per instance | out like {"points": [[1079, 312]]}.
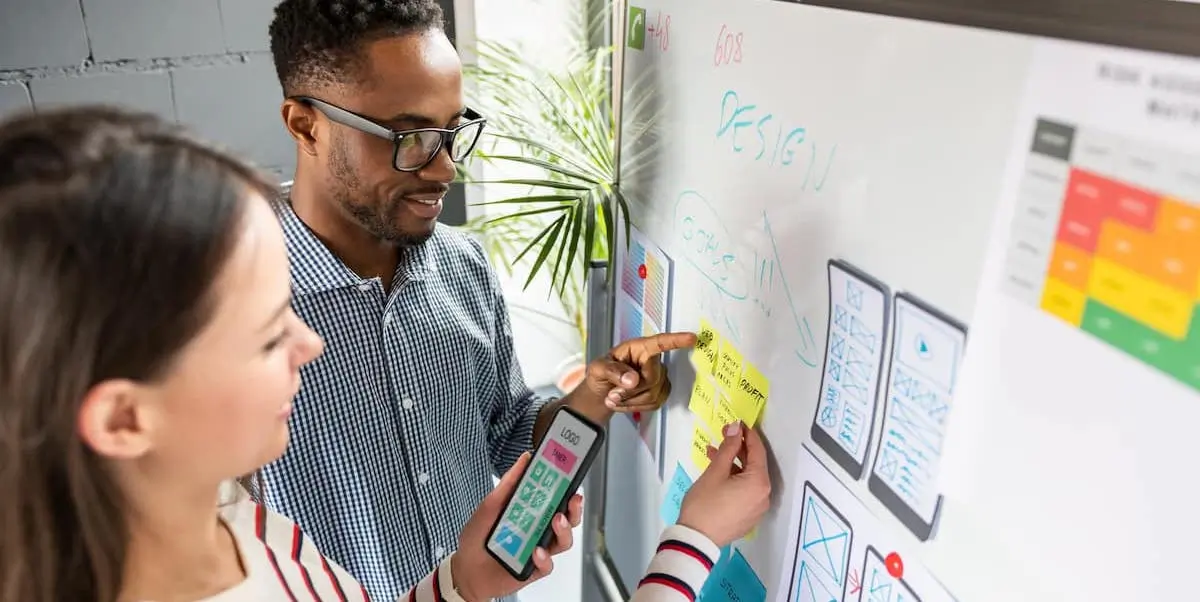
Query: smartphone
{"points": [[550, 479], [854, 346]]}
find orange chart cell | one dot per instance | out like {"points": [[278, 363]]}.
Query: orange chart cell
{"points": [[1122, 262]]}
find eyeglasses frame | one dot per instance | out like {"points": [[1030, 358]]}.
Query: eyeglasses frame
{"points": [[370, 126]]}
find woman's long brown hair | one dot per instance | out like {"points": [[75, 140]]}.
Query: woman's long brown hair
{"points": [[113, 227]]}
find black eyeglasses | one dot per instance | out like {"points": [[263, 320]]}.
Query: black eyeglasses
{"points": [[412, 149]]}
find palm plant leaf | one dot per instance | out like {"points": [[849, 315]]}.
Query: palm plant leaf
{"points": [[551, 131]]}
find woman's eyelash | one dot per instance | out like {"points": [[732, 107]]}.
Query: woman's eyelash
{"points": [[273, 343]]}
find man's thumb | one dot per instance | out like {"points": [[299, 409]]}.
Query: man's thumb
{"points": [[508, 483], [730, 447]]}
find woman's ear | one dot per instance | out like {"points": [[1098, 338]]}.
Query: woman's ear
{"points": [[117, 419], [301, 122]]}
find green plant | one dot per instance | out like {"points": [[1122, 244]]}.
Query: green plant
{"points": [[552, 135]]}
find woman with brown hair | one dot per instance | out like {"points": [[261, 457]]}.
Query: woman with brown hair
{"points": [[149, 355]]}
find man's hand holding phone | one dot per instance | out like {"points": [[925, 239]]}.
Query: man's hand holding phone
{"points": [[478, 576]]}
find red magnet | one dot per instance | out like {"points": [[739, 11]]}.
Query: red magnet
{"points": [[637, 416], [642, 271], [895, 566]]}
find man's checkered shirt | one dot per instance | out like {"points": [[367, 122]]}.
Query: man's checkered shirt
{"points": [[417, 401]]}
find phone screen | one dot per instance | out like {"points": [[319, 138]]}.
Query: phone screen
{"points": [[548, 480], [822, 550]]}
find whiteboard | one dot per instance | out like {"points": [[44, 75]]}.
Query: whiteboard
{"points": [[846, 199]]}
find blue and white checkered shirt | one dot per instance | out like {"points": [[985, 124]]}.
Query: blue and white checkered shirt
{"points": [[416, 403]]}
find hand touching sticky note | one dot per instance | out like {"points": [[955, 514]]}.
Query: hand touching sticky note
{"points": [[729, 366], [707, 342]]}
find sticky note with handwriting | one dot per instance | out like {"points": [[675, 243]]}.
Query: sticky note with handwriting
{"points": [[725, 414], [704, 398], [729, 366], [750, 396], [733, 580], [707, 342], [680, 483], [700, 442]]}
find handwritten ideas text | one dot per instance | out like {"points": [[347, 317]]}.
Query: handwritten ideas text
{"points": [[776, 144], [748, 271], [729, 47]]}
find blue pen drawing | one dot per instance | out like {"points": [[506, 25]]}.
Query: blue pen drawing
{"points": [[806, 351], [822, 550], [853, 366], [738, 272], [878, 585], [927, 351], [772, 142], [708, 245]]}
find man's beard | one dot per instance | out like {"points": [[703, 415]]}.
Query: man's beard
{"points": [[381, 224]]}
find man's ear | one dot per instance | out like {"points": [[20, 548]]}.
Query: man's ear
{"points": [[301, 121], [117, 419]]}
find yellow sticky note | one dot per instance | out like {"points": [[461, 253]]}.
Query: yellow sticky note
{"points": [[700, 443], [704, 398], [724, 415], [729, 366], [750, 396], [707, 343]]}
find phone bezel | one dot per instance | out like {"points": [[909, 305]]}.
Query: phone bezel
{"points": [[585, 463]]}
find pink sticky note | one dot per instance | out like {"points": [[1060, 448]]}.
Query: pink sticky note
{"points": [[559, 456]]}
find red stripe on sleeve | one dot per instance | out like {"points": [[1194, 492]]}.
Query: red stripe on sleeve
{"points": [[683, 548], [673, 584]]}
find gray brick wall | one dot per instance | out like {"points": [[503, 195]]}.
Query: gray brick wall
{"points": [[203, 63]]}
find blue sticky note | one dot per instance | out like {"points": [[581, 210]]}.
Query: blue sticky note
{"points": [[732, 580], [680, 483]]}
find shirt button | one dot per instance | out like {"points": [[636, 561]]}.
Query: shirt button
{"points": [[407, 403], [440, 551], [387, 320], [423, 478]]}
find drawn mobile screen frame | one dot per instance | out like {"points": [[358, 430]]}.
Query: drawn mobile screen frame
{"points": [[863, 593], [794, 584], [820, 436], [899, 508]]}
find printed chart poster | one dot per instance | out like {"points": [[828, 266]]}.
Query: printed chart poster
{"points": [[1079, 404], [841, 553], [858, 318], [643, 308], [927, 354]]}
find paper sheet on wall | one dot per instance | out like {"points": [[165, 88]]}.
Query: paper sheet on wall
{"points": [[643, 308], [1080, 390], [840, 552]]}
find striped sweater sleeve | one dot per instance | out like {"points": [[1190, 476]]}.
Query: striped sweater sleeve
{"points": [[679, 569]]}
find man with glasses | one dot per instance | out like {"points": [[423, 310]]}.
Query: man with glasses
{"points": [[418, 400]]}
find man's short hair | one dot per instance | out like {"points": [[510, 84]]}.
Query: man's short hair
{"points": [[318, 42]]}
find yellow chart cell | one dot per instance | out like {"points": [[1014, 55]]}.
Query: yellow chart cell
{"points": [[1154, 304], [1064, 301]]}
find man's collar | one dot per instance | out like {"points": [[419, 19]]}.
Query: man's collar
{"points": [[316, 269]]}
